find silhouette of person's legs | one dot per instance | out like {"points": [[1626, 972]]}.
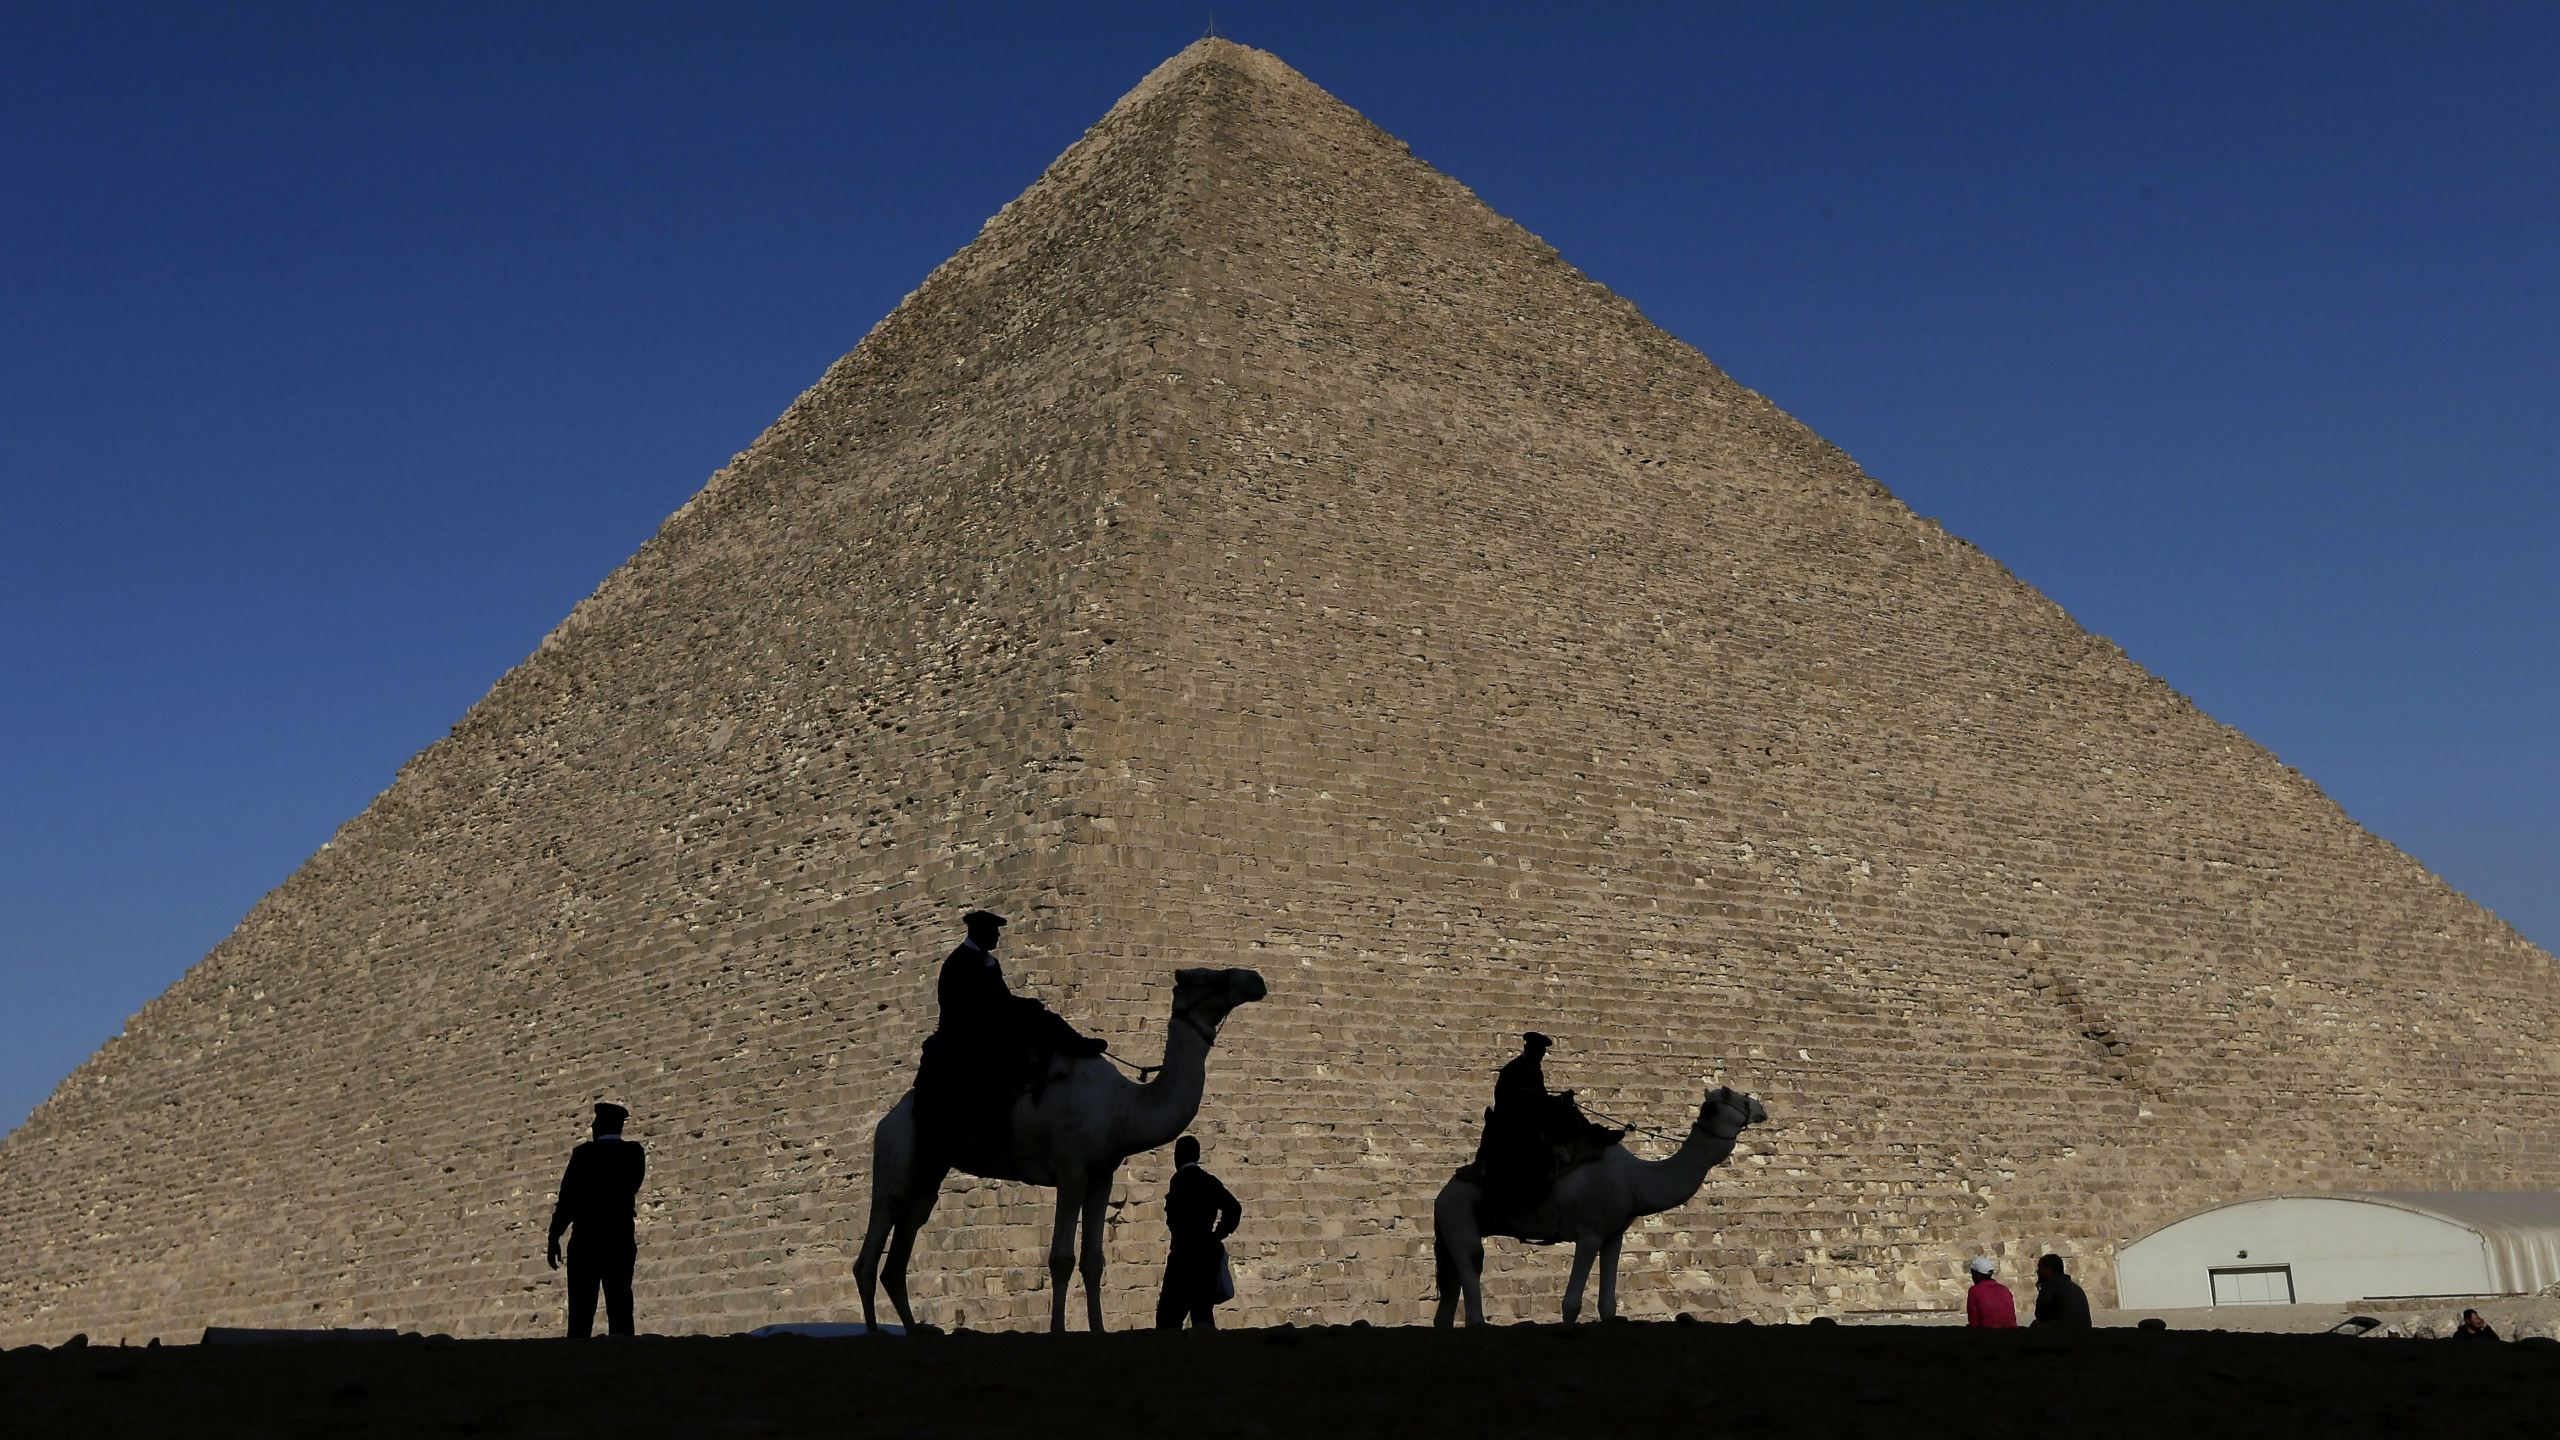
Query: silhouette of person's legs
{"points": [[584, 1276], [600, 1265], [617, 1289], [1189, 1290]]}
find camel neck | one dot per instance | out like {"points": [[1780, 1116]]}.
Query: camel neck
{"points": [[1167, 1103], [1669, 1182]]}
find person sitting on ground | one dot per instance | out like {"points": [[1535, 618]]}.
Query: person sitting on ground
{"points": [[1201, 1213], [2060, 1302], [1988, 1305], [2474, 1326]]}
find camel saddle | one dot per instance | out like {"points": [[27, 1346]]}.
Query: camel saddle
{"points": [[1522, 1157], [965, 1087]]}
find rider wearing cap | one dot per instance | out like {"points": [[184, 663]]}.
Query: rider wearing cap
{"points": [[1521, 1088], [1533, 1134], [988, 1043], [976, 1001]]}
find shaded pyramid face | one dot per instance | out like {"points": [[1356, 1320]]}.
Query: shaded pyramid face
{"points": [[1253, 551]]}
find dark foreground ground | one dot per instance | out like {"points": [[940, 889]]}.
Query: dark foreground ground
{"points": [[1699, 1381]]}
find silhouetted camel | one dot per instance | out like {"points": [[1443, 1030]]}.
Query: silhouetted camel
{"points": [[1594, 1205], [1073, 1135]]}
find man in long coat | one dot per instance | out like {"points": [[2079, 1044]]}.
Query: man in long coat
{"points": [[1515, 1153], [976, 1002], [1520, 1091], [1201, 1213]]}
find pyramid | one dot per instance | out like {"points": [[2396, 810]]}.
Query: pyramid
{"points": [[1252, 550]]}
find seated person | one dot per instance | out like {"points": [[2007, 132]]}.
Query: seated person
{"points": [[991, 1042], [1533, 1135]]}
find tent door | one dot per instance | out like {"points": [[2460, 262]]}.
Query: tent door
{"points": [[2253, 1285]]}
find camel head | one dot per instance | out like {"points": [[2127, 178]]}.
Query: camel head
{"points": [[1727, 1111], [1206, 997]]}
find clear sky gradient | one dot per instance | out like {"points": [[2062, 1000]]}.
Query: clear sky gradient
{"points": [[343, 349]]}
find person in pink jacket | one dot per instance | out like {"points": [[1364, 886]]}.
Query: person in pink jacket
{"points": [[1988, 1305]]}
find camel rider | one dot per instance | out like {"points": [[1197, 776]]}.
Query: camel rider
{"points": [[976, 1001], [990, 1042], [1532, 1135], [1522, 1085]]}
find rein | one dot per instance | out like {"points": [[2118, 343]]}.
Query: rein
{"points": [[1208, 1036], [1637, 1129]]}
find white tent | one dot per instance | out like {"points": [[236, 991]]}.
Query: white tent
{"points": [[2332, 1248]]}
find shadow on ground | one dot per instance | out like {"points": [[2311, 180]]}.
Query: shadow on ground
{"points": [[1530, 1382]]}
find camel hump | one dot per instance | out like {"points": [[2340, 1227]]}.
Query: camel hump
{"points": [[1060, 1067]]}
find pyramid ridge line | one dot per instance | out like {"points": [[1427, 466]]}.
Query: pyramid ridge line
{"points": [[1058, 175]]}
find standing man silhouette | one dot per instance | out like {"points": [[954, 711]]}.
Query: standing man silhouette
{"points": [[1201, 1213], [598, 1196]]}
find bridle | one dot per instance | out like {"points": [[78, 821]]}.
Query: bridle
{"points": [[1703, 1125], [1207, 1032]]}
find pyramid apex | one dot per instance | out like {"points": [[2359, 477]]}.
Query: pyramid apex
{"points": [[1219, 47], [1261, 64]]}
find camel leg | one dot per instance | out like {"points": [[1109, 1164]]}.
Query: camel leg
{"points": [[866, 1266], [1062, 1249], [1457, 1239], [1097, 1210], [1585, 1250], [1471, 1279], [1445, 1276], [893, 1188], [924, 1189], [1609, 1276]]}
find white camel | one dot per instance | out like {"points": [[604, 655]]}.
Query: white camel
{"points": [[1594, 1205], [1073, 1135]]}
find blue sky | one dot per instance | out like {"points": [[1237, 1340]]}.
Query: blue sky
{"points": [[342, 349]]}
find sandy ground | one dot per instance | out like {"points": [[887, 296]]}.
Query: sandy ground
{"points": [[1528, 1382], [2514, 1318]]}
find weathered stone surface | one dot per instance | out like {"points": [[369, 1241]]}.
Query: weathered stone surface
{"points": [[1252, 550]]}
